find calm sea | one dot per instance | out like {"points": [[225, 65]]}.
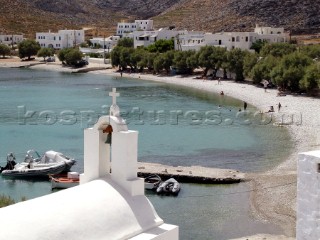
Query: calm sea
{"points": [[44, 110]]}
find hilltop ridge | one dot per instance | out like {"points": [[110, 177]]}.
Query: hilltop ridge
{"points": [[30, 16]]}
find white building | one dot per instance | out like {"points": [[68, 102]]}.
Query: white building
{"points": [[308, 196], [189, 40], [105, 43], [106, 205], [10, 39], [146, 38], [243, 40], [138, 25], [61, 39]]}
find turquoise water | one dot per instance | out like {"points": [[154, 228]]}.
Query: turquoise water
{"points": [[48, 110]]}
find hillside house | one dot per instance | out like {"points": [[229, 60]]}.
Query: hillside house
{"points": [[10, 39], [138, 25], [243, 40], [61, 39]]}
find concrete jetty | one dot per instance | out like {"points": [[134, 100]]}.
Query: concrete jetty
{"points": [[192, 174], [89, 69]]}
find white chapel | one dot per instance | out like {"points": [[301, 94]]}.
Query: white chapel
{"points": [[108, 204]]}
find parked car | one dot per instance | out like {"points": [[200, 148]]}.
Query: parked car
{"points": [[81, 63], [51, 59]]}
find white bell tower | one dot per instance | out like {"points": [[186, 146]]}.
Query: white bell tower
{"points": [[117, 159]]}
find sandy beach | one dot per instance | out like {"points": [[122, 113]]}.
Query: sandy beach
{"points": [[274, 195]]}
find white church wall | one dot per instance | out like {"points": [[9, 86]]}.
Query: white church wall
{"points": [[308, 196], [124, 166]]}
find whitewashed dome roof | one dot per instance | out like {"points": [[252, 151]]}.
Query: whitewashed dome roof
{"points": [[96, 210]]}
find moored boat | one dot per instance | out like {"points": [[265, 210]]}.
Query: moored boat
{"points": [[35, 166], [63, 181], [170, 186], [152, 181]]}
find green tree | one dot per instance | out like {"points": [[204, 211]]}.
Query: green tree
{"points": [[136, 57], [204, 58], [236, 61], [161, 46], [158, 63], [180, 61], [312, 51], [218, 58], [257, 45], [62, 54], [4, 50], [115, 56], [263, 69], [150, 60], [311, 79], [125, 42], [28, 48], [163, 61], [125, 57], [277, 49], [73, 57], [45, 52], [249, 61], [290, 71]]}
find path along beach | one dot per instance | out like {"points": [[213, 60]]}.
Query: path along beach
{"points": [[274, 197]]}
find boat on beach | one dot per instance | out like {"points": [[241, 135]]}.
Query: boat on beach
{"points": [[63, 181], [36, 166]]}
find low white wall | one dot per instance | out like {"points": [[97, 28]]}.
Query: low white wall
{"points": [[98, 60], [308, 196]]}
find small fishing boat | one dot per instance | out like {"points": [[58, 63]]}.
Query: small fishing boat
{"points": [[170, 186], [63, 181], [152, 181], [35, 166]]}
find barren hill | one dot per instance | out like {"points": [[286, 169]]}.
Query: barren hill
{"points": [[29, 16], [241, 15]]}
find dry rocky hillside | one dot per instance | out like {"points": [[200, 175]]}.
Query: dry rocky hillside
{"points": [[30, 16], [242, 15]]}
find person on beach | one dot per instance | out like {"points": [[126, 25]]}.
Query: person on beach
{"points": [[271, 109], [245, 106], [279, 106], [219, 81], [265, 84], [221, 93]]}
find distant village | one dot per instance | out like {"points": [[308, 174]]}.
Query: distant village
{"points": [[143, 34]]}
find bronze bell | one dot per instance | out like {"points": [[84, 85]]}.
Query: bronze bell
{"points": [[108, 140]]}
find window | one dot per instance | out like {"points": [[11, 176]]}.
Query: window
{"points": [[318, 168], [233, 39], [247, 39]]}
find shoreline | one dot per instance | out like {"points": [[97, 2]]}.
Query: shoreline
{"points": [[275, 205]]}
